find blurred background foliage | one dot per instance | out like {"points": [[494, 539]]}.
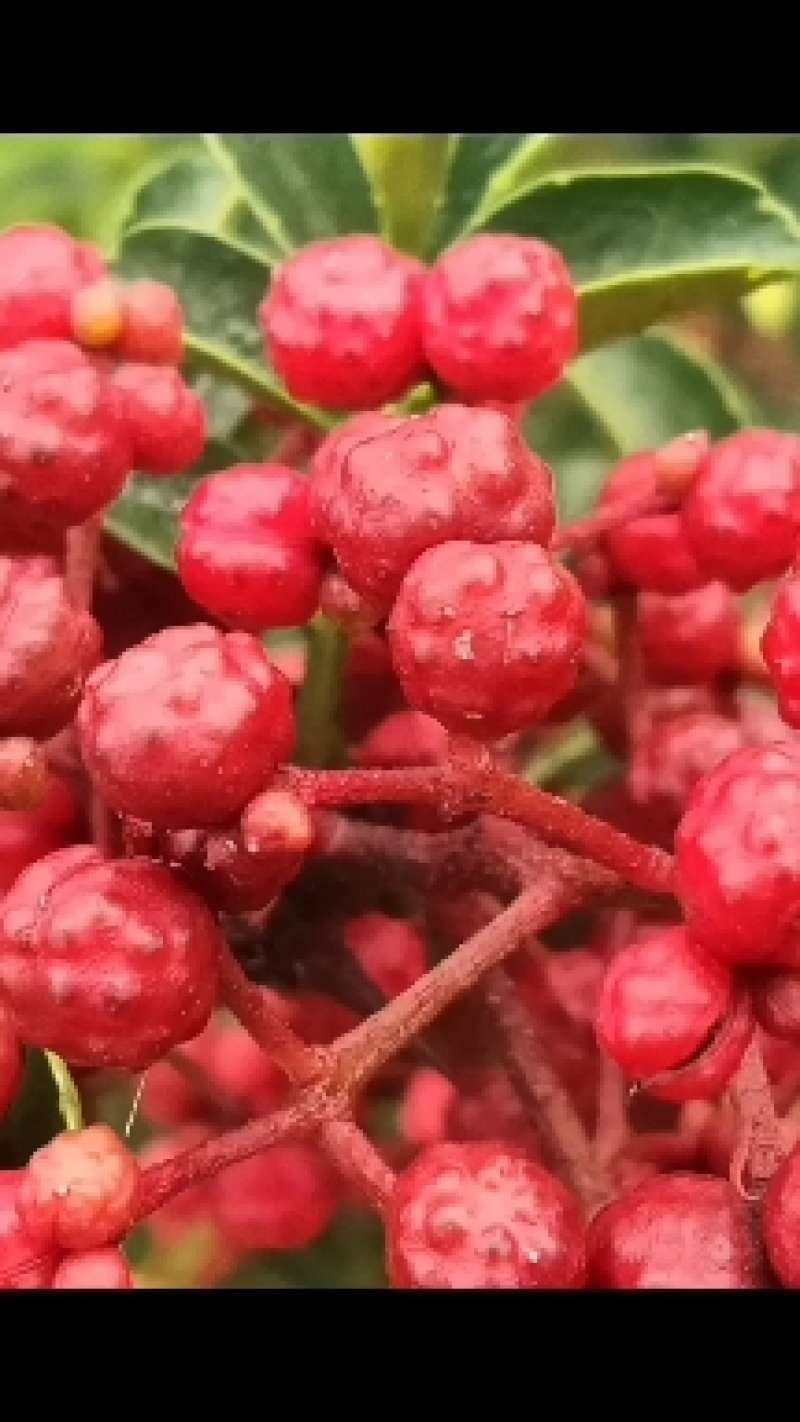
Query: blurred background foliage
{"points": [[85, 185]]}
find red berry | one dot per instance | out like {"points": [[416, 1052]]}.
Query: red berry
{"points": [[152, 324], [79, 1191], [246, 552], [649, 551], [691, 637], [12, 1063], [48, 646], [184, 729], [487, 638], [457, 473], [389, 950], [109, 963], [239, 1066], [482, 1216], [742, 513], [94, 1269], [780, 645], [341, 323], [40, 270], [407, 738], [426, 1108], [167, 424], [660, 1003], [319, 1019], [499, 318], [781, 1221], [283, 1199], [738, 856], [667, 762], [64, 444], [29, 835], [23, 1263], [676, 1232]]}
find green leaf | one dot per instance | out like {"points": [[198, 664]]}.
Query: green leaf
{"points": [[145, 516], [644, 244], [407, 174], [301, 189], [220, 283], [475, 160], [189, 189], [633, 395], [42, 1108], [69, 1101]]}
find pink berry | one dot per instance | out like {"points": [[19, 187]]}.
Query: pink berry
{"points": [[152, 324], [691, 637], [406, 738], [246, 552], [26, 836], [64, 445], [781, 1221], [661, 1003], [79, 1191], [780, 645], [389, 950], [283, 1199], [738, 856], [482, 1216], [185, 728], [94, 1269], [487, 638], [426, 1107], [166, 423], [40, 270], [742, 513], [109, 963], [341, 323], [649, 551], [499, 318], [667, 762], [24, 1264], [457, 473], [48, 647], [676, 1232]]}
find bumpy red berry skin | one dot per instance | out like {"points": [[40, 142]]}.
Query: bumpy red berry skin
{"points": [[107, 963], [23, 1263], [668, 761], [738, 856], [487, 638], [426, 1107], [40, 270], [152, 324], [28, 836], [341, 323], [390, 951], [94, 1269], [47, 648], [284, 1198], [458, 473], [652, 553], [166, 422], [676, 1232], [246, 552], [742, 513], [499, 318], [482, 1216], [781, 1221], [79, 1191], [184, 729], [64, 443], [659, 1002], [780, 645], [691, 637], [407, 738]]}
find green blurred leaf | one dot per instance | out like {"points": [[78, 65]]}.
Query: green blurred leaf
{"points": [[477, 163], [69, 1101], [301, 189], [643, 244], [189, 189], [145, 516], [408, 174], [633, 395]]}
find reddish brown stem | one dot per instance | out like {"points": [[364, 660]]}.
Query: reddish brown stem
{"points": [[761, 1146], [255, 1010], [83, 547]]}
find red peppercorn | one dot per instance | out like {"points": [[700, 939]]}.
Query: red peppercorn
{"points": [[499, 317], [283, 1199], [26, 836], [424, 1116], [691, 637], [780, 645], [166, 423], [79, 1191], [390, 951], [487, 638], [482, 1216], [23, 1263], [152, 324], [341, 323], [40, 270], [109, 963], [94, 1269], [246, 552], [457, 473], [649, 551], [667, 762], [184, 729], [405, 739], [781, 1221]]}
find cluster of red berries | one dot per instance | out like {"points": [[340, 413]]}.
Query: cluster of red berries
{"points": [[431, 542]]}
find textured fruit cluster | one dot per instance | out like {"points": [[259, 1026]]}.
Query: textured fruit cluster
{"points": [[362, 984]]}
